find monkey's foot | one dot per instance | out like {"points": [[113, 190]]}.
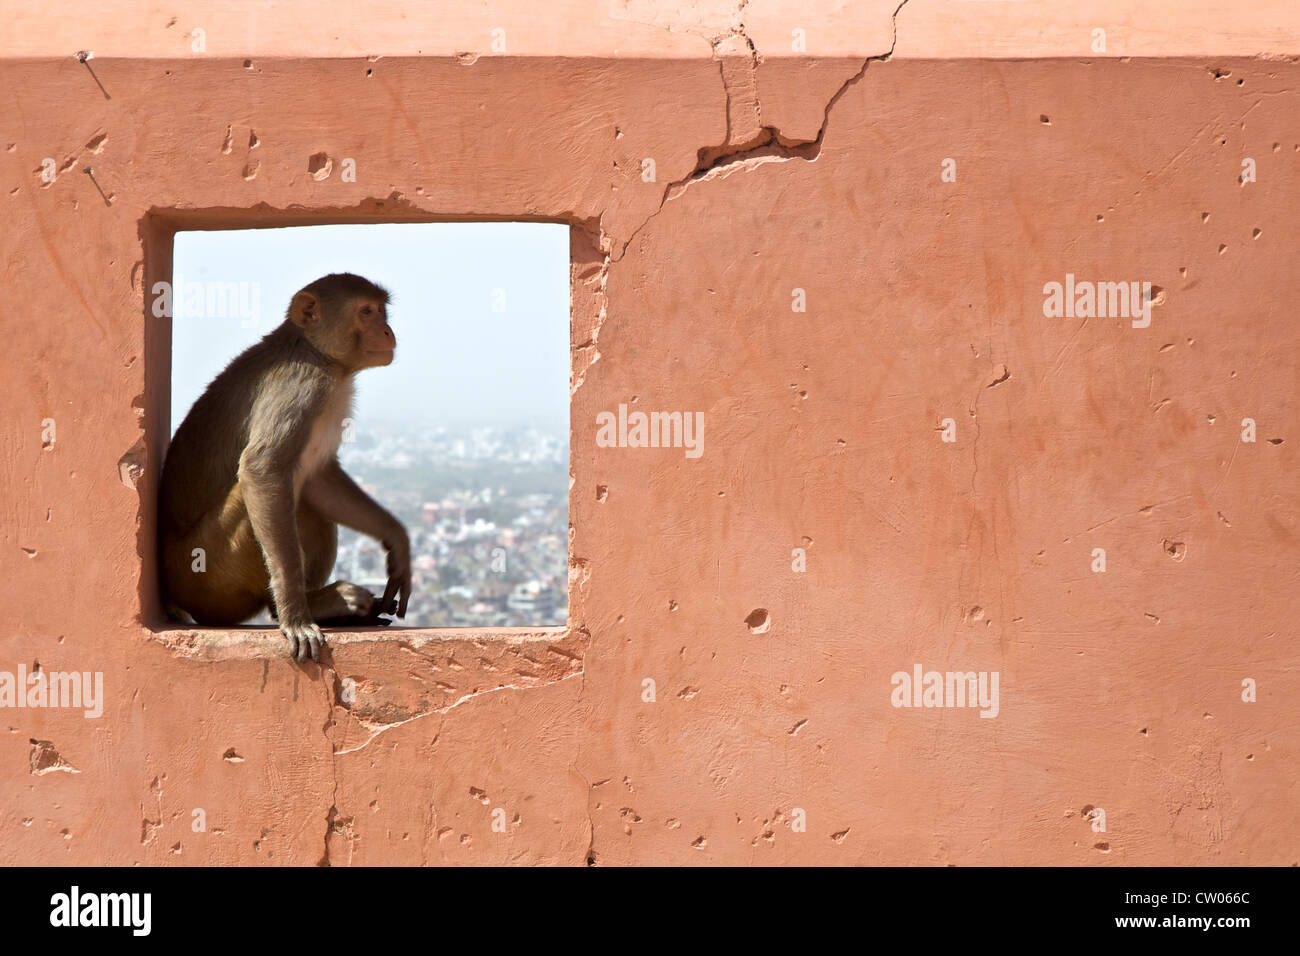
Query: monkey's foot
{"points": [[304, 638], [342, 604]]}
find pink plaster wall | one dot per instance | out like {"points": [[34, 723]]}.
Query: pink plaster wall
{"points": [[774, 172]]}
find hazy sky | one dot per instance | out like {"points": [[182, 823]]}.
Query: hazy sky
{"points": [[480, 310]]}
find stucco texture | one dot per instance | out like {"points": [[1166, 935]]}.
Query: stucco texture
{"points": [[773, 736]]}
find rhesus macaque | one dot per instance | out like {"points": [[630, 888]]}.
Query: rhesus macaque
{"points": [[252, 476]]}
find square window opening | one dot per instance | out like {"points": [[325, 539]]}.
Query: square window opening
{"points": [[464, 437]]}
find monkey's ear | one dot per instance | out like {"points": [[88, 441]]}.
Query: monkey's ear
{"points": [[304, 310]]}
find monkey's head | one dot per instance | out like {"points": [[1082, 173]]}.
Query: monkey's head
{"points": [[346, 317]]}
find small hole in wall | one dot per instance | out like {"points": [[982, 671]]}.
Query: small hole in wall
{"points": [[463, 437]]}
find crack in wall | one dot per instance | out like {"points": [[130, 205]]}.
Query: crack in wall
{"points": [[590, 858], [431, 832], [731, 49], [337, 824], [380, 729], [768, 145], [327, 730]]}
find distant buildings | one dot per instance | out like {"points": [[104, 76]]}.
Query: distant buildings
{"points": [[487, 511], [532, 598]]}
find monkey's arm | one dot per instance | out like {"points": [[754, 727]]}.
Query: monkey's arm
{"points": [[276, 438], [337, 497]]}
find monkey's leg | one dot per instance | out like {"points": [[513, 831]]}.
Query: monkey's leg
{"points": [[216, 572], [339, 603]]}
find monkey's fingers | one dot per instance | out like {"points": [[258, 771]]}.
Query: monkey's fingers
{"points": [[386, 604], [406, 595], [316, 639]]}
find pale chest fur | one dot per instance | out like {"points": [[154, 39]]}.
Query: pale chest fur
{"points": [[326, 434]]}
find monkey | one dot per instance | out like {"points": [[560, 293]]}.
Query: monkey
{"points": [[252, 477]]}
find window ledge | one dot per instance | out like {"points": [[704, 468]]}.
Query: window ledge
{"points": [[265, 643]]}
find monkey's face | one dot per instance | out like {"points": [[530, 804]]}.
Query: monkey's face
{"points": [[374, 342], [351, 329]]}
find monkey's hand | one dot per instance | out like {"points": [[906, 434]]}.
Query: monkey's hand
{"points": [[398, 545], [303, 634]]}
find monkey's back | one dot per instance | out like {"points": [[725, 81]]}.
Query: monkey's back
{"points": [[202, 462], [203, 459]]}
